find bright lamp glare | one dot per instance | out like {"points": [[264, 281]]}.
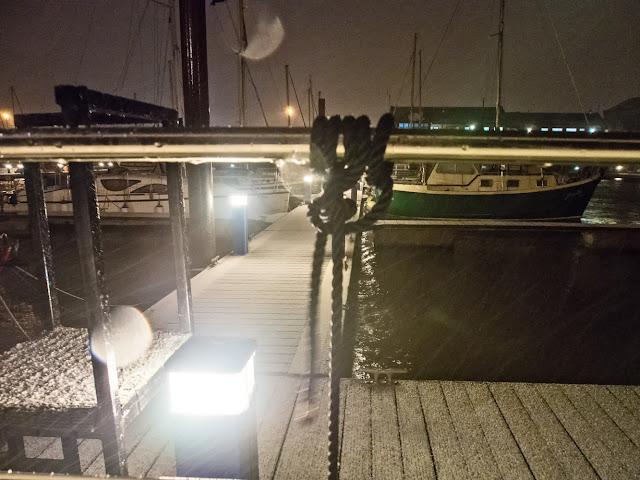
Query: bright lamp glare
{"points": [[290, 111], [211, 394], [529, 130], [238, 200], [472, 127], [576, 168], [619, 167], [8, 165], [20, 165], [6, 116], [308, 178]]}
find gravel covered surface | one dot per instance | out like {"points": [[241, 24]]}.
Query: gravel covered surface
{"points": [[54, 372]]}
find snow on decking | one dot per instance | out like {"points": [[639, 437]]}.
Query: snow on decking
{"points": [[54, 372]]}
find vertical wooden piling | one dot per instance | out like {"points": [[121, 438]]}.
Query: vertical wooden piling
{"points": [[86, 216], [175, 178], [48, 311]]}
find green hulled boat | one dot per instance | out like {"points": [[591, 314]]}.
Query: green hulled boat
{"points": [[468, 191]]}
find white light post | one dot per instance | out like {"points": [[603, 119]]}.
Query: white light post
{"points": [[211, 402], [308, 188], [239, 223]]}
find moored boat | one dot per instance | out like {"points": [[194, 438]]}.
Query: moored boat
{"points": [[469, 191], [140, 194]]}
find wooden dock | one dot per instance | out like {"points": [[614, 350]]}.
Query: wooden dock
{"points": [[415, 429], [422, 430]]}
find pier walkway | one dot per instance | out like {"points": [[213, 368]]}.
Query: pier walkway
{"points": [[412, 430]]}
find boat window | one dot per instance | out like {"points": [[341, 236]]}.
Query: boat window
{"points": [[542, 182], [459, 168], [153, 188], [486, 182], [511, 183], [117, 184]]}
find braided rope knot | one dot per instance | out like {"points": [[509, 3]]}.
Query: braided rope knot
{"points": [[330, 213], [363, 155]]}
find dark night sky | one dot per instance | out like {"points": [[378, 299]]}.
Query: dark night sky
{"points": [[356, 50]]}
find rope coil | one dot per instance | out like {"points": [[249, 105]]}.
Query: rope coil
{"points": [[330, 213]]}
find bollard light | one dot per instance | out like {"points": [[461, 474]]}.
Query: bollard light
{"points": [[240, 227], [308, 190], [211, 402]]}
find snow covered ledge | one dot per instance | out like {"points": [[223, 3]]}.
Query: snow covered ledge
{"points": [[53, 374]]}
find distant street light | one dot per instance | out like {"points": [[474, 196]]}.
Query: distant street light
{"points": [[308, 191]]}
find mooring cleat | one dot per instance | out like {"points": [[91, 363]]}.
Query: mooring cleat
{"points": [[383, 376]]}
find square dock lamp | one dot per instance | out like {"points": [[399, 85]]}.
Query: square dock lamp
{"points": [[212, 408], [308, 188], [240, 229]]}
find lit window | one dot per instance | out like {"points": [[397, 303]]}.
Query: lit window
{"points": [[466, 128], [582, 129], [571, 129], [557, 129], [501, 128], [544, 129], [486, 129], [435, 128]]}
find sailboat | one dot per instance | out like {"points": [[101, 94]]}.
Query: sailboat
{"points": [[477, 191]]}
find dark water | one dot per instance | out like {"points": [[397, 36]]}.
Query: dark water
{"points": [[507, 306]]}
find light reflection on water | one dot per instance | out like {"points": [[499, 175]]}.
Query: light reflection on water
{"points": [[505, 306]]}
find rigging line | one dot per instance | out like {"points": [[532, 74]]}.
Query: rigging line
{"points": [[297, 99], [165, 64], [86, 41], [235, 29], [133, 3], [131, 46], [13, 318], [36, 278], [566, 62], [255, 89], [433, 59], [268, 61]]}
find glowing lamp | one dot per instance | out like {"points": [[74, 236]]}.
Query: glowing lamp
{"points": [[472, 127], [290, 111], [239, 224], [211, 385], [6, 116], [238, 200], [619, 168], [308, 178], [8, 165], [576, 168], [592, 130], [529, 130], [212, 378], [20, 165]]}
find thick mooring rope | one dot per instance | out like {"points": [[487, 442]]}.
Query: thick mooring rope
{"points": [[329, 214]]}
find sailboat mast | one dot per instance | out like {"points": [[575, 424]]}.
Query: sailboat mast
{"points": [[289, 110], [499, 73], [413, 77], [420, 89], [243, 63]]}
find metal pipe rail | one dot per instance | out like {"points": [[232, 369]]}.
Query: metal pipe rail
{"points": [[223, 145]]}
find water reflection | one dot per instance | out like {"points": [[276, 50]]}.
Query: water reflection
{"points": [[506, 306]]}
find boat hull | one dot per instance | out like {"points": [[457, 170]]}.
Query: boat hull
{"points": [[566, 201]]}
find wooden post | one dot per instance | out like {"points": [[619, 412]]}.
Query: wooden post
{"points": [[175, 178], [49, 311], [89, 239]]}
